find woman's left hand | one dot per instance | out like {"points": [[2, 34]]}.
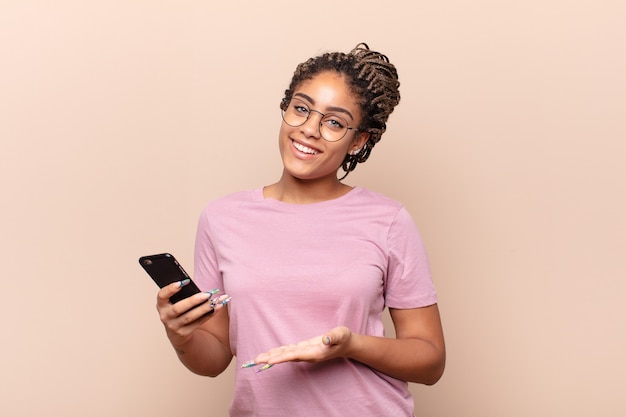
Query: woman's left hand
{"points": [[330, 345]]}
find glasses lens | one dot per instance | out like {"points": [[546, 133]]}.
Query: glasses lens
{"points": [[296, 114], [332, 127]]}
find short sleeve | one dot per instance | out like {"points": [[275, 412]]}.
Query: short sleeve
{"points": [[206, 271], [408, 282]]}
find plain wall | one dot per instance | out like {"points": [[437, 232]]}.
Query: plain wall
{"points": [[119, 120]]}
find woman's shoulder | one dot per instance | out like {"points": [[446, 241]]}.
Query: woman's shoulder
{"points": [[233, 200], [374, 198]]}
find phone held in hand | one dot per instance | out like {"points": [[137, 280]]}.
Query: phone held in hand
{"points": [[164, 269]]}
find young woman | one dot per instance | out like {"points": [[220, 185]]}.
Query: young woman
{"points": [[311, 263]]}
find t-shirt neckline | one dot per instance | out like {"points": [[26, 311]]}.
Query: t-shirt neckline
{"points": [[271, 202]]}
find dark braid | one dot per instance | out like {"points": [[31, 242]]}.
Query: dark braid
{"points": [[374, 83]]}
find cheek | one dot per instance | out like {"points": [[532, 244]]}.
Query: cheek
{"points": [[344, 147], [284, 143], [283, 133], [339, 153]]}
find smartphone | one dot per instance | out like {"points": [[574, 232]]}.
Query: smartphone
{"points": [[165, 269]]}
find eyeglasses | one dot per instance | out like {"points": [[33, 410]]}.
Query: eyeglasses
{"points": [[332, 126]]}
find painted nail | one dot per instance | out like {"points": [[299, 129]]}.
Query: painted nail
{"points": [[185, 282], [215, 291], [249, 364], [223, 300], [326, 340], [263, 368]]}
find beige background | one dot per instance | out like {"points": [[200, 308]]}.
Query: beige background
{"points": [[119, 120]]}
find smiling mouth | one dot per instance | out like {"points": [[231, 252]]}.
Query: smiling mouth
{"points": [[304, 149]]}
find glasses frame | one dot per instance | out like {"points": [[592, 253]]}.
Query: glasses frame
{"points": [[282, 114]]}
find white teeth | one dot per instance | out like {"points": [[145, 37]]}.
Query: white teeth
{"points": [[304, 149]]}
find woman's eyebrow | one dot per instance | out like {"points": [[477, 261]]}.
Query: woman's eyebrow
{"points": [[331, 108]]}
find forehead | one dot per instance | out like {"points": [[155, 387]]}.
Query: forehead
{"points": [[328, 89]]}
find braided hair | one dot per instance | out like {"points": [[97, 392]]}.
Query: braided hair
{"points": [[373, 81]]}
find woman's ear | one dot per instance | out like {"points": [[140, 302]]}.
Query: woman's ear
{"points": [[359, 141]]}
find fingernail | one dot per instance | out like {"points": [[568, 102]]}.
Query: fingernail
{"points": [[248, 364], [215, 291], [223, 300], [263, 368], [185, 282], [326, 340]]}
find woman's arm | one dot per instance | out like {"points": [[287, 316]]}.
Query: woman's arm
{"points": [[417, 354], [199, 338]]}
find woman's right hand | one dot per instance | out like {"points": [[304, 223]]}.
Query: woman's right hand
{"points": [[181, 319]]}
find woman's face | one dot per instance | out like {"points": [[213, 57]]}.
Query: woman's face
{"points": [[305, 154]]}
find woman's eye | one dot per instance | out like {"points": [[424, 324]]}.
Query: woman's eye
{"points": [[301, 109], [334, 123]]}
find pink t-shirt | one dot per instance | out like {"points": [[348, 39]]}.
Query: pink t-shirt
{"points": [[296, 271]]}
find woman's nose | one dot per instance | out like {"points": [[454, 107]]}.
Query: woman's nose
{"points": [[313, 124]]}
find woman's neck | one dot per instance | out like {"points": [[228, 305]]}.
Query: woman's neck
{"points": [[293, 190]]}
